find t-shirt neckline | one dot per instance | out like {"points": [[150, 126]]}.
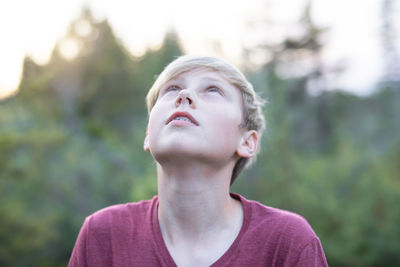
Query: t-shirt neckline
{"points": [[162, 249]]}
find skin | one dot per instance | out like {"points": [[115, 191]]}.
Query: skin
{"points": [[198, 218]]}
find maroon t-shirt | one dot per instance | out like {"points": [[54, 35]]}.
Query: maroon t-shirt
{"points": [[130, 235]]}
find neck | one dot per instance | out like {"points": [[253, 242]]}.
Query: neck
{"points": [[194, 201]]}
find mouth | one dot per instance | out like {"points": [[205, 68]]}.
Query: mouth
{"points": [[183, 117]]}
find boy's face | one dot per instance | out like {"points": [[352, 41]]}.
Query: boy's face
{"points": [[197, 116]]}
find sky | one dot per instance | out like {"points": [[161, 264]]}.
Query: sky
{"points": [[220, 27]]}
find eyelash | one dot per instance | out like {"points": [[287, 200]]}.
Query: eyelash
{"points": [[208, 89], [213, 87], [216, 89], [172, 88]]}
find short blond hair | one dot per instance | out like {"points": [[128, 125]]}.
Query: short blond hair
{"points": [[253, 118]]}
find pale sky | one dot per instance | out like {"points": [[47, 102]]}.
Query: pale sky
{"points": [[32, 28]]}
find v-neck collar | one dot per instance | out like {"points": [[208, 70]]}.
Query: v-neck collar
{"points": [[162, 249]]}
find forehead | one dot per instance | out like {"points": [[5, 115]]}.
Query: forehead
{"points": [[199, 75]]}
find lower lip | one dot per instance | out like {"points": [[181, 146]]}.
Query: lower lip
{"points": [[181, 123]]}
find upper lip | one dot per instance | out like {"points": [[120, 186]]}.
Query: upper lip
{"points": [[182, 114]]}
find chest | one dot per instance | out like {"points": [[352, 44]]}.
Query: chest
{"points": [[199, 254]]}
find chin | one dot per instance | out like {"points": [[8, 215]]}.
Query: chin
{"points": [[176, 151]]}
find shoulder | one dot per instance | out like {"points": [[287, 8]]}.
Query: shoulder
{"points": [[292, 223], [120, 215], [275, 225], [282, 238], [110, 233]]}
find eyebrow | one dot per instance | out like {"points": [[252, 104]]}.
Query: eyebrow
{"points": [[179, 79], [213, 79], [208, 78], [175, 79]]}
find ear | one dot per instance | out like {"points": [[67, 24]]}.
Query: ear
{"points": [[146, 145], [248, 144]]}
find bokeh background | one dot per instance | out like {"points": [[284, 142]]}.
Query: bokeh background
{"points": [[74, 75]]}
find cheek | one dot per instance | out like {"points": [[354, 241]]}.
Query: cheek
{"points": [[230, 117], [154, 120], [228, 127]]}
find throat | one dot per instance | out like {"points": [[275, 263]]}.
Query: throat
{"points": [[198, 217], [195, 236]]}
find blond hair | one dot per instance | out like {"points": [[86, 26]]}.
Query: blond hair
{"points": [[253, 118]]}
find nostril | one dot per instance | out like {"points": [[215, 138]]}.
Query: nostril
{"points": [[184, 97]]}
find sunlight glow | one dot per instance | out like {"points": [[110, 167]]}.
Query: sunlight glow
{"points": [[69, 48], [221, 28]]}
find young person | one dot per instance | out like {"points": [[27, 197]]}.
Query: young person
{"points": [[205, 125]]}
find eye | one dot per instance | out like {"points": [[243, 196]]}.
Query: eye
{"points": [[214, 89], [172, 88]]}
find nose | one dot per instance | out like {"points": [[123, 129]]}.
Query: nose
{"points": [[185, 97]]}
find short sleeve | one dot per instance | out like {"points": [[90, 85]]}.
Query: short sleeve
{"points": [[78, 256], [312, 255], [89, 249]]}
